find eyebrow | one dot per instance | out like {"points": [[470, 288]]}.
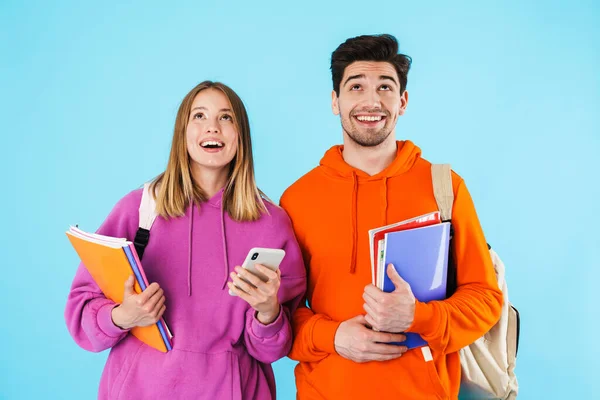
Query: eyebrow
{"points": [[204, 108], [362, 76], [386, 77]]}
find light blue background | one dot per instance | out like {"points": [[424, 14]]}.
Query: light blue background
{"points": [[509, 93]]}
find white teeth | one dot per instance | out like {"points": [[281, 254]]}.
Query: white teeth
{"points": [[211, 143], [369, 118]]}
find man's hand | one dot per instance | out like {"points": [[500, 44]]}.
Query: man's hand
{"points": [[390, 312], [354, 341]]}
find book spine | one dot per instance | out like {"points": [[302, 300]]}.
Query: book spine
{"points": [[143, 285]]}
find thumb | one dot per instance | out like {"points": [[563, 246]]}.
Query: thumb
{"points": [[395, 277], [129, 287], [359, 319]]}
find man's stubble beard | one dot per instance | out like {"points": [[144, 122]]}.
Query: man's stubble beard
{"points": [[370, 138]]}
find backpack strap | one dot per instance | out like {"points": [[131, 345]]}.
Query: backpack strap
{"points": [[147, 213], [441, 177]]}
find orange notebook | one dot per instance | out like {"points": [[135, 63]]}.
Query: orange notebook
{"points": [[107, 262]]}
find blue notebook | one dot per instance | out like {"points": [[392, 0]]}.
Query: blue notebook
{"points": [[420, 256], [142, 284]]}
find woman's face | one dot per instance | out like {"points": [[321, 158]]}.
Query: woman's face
{"points": [[211, 134]]}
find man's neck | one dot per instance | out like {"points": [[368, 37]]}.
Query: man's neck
{"points": [[211, 181], [371, 160]]}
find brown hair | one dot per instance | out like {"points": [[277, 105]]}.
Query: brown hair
{"points": [[369, 48], [175, 188]]}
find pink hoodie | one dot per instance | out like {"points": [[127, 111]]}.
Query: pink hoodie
{"points": [[220, 350]]}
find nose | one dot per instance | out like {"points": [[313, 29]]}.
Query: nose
{"points": [[373, 99], [212, 127]]}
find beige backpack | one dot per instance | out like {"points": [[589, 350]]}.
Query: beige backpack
{"points": [[488, 364]]}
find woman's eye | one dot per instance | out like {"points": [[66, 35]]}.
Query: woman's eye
{"points": [[227, 117], [198, 115]]}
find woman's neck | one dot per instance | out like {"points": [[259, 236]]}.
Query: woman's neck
{"points": [[210, 180]]}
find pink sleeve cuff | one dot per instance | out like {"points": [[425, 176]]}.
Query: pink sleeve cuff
{"points": [[261, 330], [105, 322]]}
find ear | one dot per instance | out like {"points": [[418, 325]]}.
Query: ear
{"points": [[335, 107], [403, 102]]}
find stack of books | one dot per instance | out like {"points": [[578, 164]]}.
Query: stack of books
{"points": [[110, 261], [418, 249]]}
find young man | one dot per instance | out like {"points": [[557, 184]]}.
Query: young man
{"points": [[370, 181]]}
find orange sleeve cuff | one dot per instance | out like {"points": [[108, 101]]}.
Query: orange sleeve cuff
{"points": [[423, 321], [324, 335]]}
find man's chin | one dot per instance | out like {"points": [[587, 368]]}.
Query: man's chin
{"points": [[367, 140]]}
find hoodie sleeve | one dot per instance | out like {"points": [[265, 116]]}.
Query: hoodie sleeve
{"points": [[475, 307], [269, 343], [314, 333], [88, 313]]}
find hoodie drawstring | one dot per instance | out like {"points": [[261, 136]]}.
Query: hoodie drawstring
{"points": [[189, 277], [225, 259], [355, 215], [354, 221], [335, 167], [223, 236], [385, 201]]}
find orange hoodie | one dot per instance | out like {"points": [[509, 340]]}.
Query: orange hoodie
{"points": [[332, 208]]}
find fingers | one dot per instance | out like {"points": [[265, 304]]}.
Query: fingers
{"points": [[375, 347], [386, 337], [372, 302], [159, 308], [374, 320], [370, 317], [374, 292], [241, 283], [240, 293], [150, 305], [248, 276], [269, 273], [373, 310], [148, 293], [385, 349], [268, 288], [155, 316]]}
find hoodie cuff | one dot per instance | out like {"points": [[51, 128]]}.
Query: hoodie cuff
{"points": [[423, 318], [264, 331], [323, 335], [105, 322]]}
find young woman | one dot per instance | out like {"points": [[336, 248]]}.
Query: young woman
{"points": [[211, 214]]}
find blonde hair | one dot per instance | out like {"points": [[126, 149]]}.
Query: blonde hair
{"points": [[175, 188]]}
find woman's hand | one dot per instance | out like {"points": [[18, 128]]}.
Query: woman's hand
{"points": [[262, 296], [142, 309]]}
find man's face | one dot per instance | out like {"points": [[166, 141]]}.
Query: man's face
{"points": [[369, 102]]}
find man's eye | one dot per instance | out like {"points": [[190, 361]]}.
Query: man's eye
{"points": [[385, 87], [355, 87]]}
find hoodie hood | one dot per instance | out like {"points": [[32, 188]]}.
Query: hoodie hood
{"points": [[334, 165]]}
